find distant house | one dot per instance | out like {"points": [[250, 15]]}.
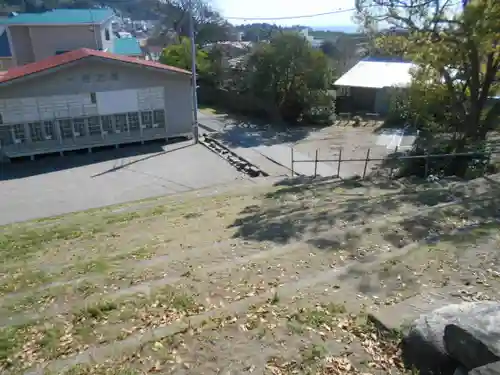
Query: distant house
{"points": [[314, 42], [87, 98], [368, 86], [153, 52], [35, 36], [128, 46]]}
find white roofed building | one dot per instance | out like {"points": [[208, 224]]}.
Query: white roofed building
{"points": [[367, 86]]}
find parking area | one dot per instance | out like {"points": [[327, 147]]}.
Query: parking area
{"points": [[56, 185]]}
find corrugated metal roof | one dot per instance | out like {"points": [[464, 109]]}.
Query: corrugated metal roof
{"points": [[60, 17], [377, 74], [69, 57], [127, 47]]}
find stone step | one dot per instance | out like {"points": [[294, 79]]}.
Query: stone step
{"points": [[400, 315]]}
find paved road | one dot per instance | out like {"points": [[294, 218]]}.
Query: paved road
{"points": [[58, 185]]}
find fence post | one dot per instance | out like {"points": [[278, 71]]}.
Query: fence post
{"points": [[316, 164], [340, 161], [487, 164], [426, 173], [392, 167], [291, 149], [366, 162]]}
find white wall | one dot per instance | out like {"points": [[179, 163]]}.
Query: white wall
{"points": [[107, 44], [32, 109]]}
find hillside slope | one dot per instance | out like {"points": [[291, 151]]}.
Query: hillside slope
{"points": [[265, 278]]}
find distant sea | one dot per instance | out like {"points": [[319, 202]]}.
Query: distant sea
{"points": [[349, 29]]}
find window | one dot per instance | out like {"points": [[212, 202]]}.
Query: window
{"points": [[107, 34], [147, 119], [5, 136], [1, 119], [36, 132], [86, 78], [133, 121], [114, 76], [93, 98], [48, 127], [94, 125], [18, 133], [121, 123], [107, 124], [66, 129], [79, 126], [159, 118]]}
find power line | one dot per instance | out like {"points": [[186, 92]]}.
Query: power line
{"points": [[337, 11], [291, 17]]}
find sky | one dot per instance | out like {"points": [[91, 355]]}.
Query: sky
{"points": [[287, 8]]}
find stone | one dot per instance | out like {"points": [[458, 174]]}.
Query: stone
{"points": [[424, 348], [470, 346], [461, 371], [489, 369]]}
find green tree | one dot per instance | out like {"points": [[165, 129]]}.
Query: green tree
{"points": [[329, 49], [179, 55], [458, 54], [291, 75]]}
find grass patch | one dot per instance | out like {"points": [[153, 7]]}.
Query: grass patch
{"points": [[24, 346], [320, 316], [23, 279], [22, 243], [101, 370]]}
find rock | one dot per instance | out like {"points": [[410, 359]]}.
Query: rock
{"points": [[461, 371], [470, 345], [489, 369], [424, 347]]}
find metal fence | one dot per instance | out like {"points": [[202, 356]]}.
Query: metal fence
{"points": [[391, 159]]}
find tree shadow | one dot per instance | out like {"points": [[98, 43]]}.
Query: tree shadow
{"points": [[309, 209], [240, 131]]}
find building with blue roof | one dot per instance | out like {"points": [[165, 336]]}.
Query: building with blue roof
{"points": [[61, 17], [127, 46], [34, 37]]}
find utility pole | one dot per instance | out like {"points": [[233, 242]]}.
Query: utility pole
{"points": [[193, 72]]}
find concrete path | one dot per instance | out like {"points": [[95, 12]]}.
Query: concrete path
{"points": [[401, 138], [275, 159], [59, 185]]}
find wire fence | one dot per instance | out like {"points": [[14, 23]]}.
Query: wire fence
{"points": [[391, 161]]}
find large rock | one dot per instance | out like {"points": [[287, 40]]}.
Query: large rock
{"points": [[490, 369], [424, 345], [471, 345]]}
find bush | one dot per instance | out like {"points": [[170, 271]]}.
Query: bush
{"points": [[473, 165]]}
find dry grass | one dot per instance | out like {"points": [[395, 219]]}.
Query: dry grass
{"points": [[275, 274]]}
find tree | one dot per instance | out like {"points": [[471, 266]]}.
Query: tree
{"points": [[458, 54], [179, 55], [329, 49], [291, 75], [209, 25]]}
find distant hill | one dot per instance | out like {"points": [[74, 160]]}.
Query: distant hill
{"points": [[348, 29]]}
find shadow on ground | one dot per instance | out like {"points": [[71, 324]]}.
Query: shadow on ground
{"points": [[307, 209], [23, 167], [241, 131]]}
